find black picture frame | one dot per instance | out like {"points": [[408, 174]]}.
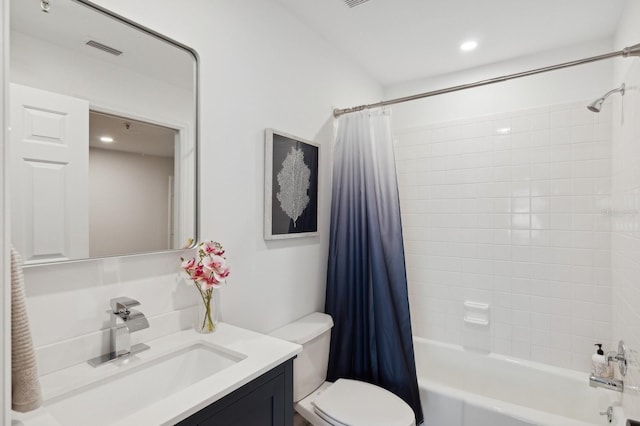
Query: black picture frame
{"points": [[291, 186]]}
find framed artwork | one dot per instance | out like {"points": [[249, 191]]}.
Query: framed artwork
{"points": [[290, 186]]}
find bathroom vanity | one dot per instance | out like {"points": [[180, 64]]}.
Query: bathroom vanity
{"points": [[232, 376], [267, 400]]}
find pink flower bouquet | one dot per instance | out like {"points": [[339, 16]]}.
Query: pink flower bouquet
{"points": [[208, 273]]}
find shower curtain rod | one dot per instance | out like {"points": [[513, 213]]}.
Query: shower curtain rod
{"points": [[627, 51]]}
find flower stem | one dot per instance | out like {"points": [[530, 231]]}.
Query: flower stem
{"points": [[207, 321]]}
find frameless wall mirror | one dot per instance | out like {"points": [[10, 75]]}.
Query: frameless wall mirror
{"points": [[103, 140]]}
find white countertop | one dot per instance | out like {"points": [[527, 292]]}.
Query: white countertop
{"points": [[262, 354]]}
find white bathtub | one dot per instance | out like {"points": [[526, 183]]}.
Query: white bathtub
{"points": [[464, 388]]}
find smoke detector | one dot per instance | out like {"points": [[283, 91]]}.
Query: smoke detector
{"points": [[354, 3]]}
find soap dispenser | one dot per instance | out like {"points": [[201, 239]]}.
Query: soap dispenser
{"points": [[599, 365]]}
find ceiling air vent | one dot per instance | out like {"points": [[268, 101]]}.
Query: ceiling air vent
{"points": [[104, 47], [354, 3]]}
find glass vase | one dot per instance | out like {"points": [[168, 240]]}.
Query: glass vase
{"points": [[207, 312]]}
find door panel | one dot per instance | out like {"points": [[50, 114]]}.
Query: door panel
{"points": [[49, 176]]}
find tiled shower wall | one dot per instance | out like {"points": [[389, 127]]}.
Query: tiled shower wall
{"points": [[625, 227], [511, 210]]}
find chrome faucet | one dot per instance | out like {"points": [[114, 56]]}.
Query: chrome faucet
{"points": [[607, 383], [124, 321], [608, 413]]}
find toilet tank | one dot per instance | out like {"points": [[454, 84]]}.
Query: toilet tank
{"points": [[313, 332]]}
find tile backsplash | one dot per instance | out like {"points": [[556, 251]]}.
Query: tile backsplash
{"points": [[68, 304], [511, 210]]}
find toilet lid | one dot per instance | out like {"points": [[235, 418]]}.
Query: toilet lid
{"points": [[355, 403]]}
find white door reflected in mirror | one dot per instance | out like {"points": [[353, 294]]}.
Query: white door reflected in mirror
{"points": [[49, 174]]}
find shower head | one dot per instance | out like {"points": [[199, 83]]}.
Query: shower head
{"points": [[596, 105]]}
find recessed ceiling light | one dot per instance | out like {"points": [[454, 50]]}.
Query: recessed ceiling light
{"points": [[106, 139], [468, 45]]}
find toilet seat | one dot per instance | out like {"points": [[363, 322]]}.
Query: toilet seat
{"points": [[355, 403]]}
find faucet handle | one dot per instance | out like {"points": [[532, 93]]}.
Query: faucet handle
{"points": [[620, 357], [121, 305]]}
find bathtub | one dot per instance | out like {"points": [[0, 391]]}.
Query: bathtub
{"points": [[465, 388]]}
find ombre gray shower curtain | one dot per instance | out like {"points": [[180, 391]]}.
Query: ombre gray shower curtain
{"points": [[366, 276]]}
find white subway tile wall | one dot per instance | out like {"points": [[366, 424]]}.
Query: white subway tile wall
{"points": [[625, 230], [512, 210]]}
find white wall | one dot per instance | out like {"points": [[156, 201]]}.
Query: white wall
{"points": [[259, 68], [128, 202], [511, 220], [626, 205]]}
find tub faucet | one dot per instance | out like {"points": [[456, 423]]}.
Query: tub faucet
{"points": [[608, 413], [605, 382], [124, 321]]}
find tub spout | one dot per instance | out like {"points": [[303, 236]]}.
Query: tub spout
{"points": [[608, 413], [602, 382]]}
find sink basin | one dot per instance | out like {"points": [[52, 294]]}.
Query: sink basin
{"points": [[136, 387]]}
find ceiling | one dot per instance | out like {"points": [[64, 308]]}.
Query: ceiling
{"points": [[396, 41], [130, 135]]}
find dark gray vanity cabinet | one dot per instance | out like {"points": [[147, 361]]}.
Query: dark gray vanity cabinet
{"points": [[265, 401]]}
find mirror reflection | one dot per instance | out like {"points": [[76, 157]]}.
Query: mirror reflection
{"points": [[103, 135], [131, 169]]}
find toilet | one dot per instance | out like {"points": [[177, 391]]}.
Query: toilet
{"points": [[344, 402]]}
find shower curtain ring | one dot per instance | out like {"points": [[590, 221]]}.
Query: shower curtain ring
{"points": [[45, 5]]}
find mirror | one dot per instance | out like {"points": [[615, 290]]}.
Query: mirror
{"points": [[103, 136]]}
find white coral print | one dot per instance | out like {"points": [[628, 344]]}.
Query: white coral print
{"points": [[293, 179]]}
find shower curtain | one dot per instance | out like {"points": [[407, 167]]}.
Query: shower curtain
{"points": [[366, 277]]}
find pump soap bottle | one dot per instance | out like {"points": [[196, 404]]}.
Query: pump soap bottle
{"points": [[599, 365]]}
